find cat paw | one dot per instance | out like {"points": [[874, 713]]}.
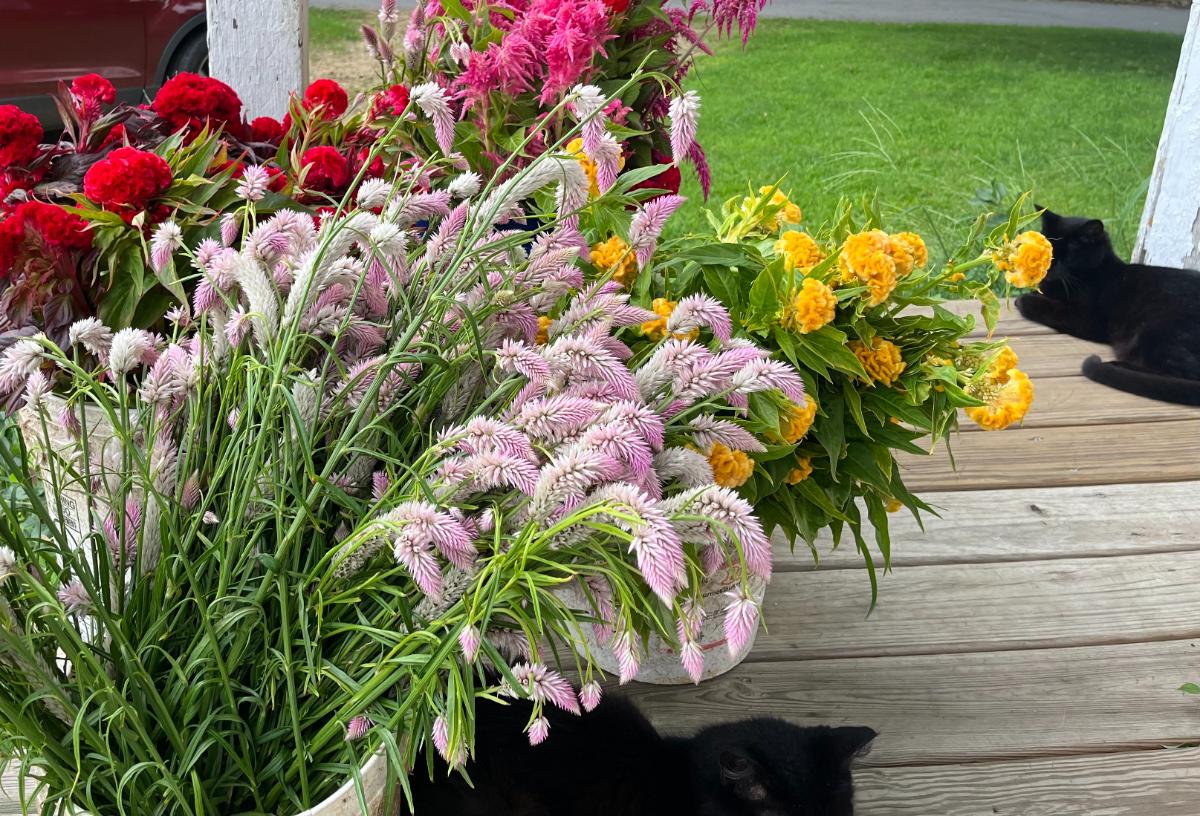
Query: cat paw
{"points": [[1027, 305]]}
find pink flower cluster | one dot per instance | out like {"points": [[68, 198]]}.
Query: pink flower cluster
{"points": [[547, 44]]}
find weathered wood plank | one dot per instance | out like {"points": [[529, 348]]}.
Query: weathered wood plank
{"points": [[1060, 401], [961, 708], [1055, 355], [1017, 525], [1164, 782], [1055, 457], [967, 608]]}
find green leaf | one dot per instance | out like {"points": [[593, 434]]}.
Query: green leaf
{"points": [[126, 286], [1190, 688], [991, 309], [831, 345], [830, 430], [854, 404]]}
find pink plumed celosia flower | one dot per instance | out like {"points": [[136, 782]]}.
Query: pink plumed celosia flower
{"points": [[358, 727], [741, 619], [544, 685], [654, 541], [211, 518], [19, 362], [538, 731], [93, 335], [600, 592], [512, 643], [422, 524], [253, 184], [691, 656], [447, 232], [648, 224], [701, 311], [407, 210], [625, 651], [379, 485], [708, 431], [491, 469], [417, 557], [703, 173], [36, 389], [237, 326], [75, 598], [122, 541], [690, 468], [553, 419], [483, 434], [684, 113], [589, 696], [726, 517], [469, 640], [69, 421], [229, 229], [129, 349], [582, 358], [742, 13], [189, 494], [440, 735], [764, 375], [433, 103], [167, 238]]}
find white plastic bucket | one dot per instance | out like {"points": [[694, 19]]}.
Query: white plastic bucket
{"points": [[344, 801]]}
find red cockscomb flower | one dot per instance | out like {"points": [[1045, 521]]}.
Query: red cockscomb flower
{"points": [[391, 101], [617, 6], [126, 180], [57, 227], [327, 169], [93, 89], [20, 134], [191, 101], [668, 179], [374, 170], [12, 235], [329, 96], [266, 129]]}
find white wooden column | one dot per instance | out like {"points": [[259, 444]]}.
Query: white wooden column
{"points": [[260, 48], [1170, 231]]}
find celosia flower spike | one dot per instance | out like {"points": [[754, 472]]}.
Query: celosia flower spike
{"points": [[696, 311], [684, 112], [432, 102], [648, 224], [741, 619], [168, 237]]}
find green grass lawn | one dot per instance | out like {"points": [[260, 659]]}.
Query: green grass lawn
{"points": [[942, 121]]}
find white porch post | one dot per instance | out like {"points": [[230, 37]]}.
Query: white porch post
{"points": [[260, 48], [1170, 231]]}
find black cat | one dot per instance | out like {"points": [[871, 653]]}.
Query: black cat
{"points": [[1149, 314], [612, 762]]}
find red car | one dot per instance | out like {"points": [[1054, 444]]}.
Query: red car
{"points": [[136, 44]]}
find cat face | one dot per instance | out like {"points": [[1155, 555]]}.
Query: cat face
{"points": [[767, 767], [1081, 246]]}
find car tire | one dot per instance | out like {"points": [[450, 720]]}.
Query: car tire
{"points": [[191, 56]]}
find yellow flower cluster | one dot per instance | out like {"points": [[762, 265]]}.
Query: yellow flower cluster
{"points": [[657, 329], [800, 472], [1025, 260], [879, 260], [799, 251], [788, 213], [882, 359], [798, 420], [814, 306], [1006, 403], [543, 332], [1004, 364], [575, 148], [614, 255], [731, 468]]}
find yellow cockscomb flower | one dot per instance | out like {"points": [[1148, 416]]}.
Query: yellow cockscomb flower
{"points": [[1006, 361], [882, 360], [1025, 260], [1006, 404], [909, 251], [867, 258], [799, 251], [790, 214], [800, 472], [657, 329], [893, 505], [798, 420], [731, 468], [614, 255], [543, 332], [814, 306]]}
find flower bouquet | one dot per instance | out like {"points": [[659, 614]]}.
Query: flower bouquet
{"points": [[858, 312], [286, 573]]}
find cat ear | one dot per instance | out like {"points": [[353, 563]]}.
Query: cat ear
{"points": [[851, 741], [1092, 231], [1048, 217], [740, 774]]}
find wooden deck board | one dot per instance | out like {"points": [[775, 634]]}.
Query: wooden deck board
{"points": [[1015, 525], [1054, 457], [967, 608], [949, 709], [1146, 783]]}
